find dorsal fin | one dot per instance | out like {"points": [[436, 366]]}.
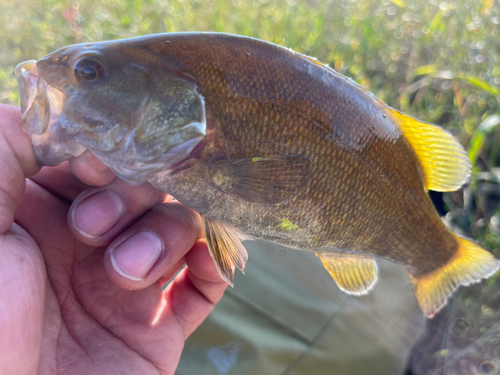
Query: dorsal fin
{"points": [[354, 274], [225, 248], [444, 161]]}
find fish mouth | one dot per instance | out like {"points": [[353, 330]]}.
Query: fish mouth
{"points": [[27, 77], [63, 119], [41, 106]]}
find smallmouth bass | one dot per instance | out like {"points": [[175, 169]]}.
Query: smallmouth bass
{"points": [[264, 143]]}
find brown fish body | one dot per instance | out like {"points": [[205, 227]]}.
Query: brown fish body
{"points": [[263, 140], [365, 191]]}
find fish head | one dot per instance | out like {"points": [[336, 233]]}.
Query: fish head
{"points": [[136, 114]]}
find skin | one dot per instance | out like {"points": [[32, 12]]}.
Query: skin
{"points": [[64, 307]]}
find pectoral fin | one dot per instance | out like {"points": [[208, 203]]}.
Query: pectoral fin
{"points": [[354, 274], [268, 179], [444, 161], [225, 248]]}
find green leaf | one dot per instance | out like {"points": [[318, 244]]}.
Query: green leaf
{"points": [[436, 22], [477, 141], [475, 145], [423, 70], [126, 20], [399, 3], [479, 83]]}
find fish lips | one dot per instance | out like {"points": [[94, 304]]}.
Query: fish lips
{"points": [[27, 77], [41, 106]]}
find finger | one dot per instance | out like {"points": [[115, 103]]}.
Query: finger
{"points": [[14, 137], [202, 269], [169, 275], [22, 302], [99, 215], [90, 170], [71, 178], [152, 246], [17, 161], [60, 181], [44, 217], [196, 290], [152, 322]]}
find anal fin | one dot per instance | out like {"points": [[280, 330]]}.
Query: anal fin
{"points": [[225, 248], [354, 274]]}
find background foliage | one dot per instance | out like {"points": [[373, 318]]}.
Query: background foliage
{"points": [[437, 60]]}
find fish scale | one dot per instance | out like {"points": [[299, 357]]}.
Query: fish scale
{"points": [[239, 132], [262, 140]]}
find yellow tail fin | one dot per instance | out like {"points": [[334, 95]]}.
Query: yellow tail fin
{"points": [[469, 265]]}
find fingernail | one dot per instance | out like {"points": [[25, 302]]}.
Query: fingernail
{"points": [[97, 214], [135, 257]]}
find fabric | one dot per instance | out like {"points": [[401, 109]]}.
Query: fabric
{"points": [[287, 316]]}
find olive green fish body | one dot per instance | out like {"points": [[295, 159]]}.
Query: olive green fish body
{"points": [[262, 142]]}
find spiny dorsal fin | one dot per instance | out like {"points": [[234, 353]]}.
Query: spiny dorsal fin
{"points": [[354, 274], [470, 264], [225, 248], [264, 179], [444, 161]]}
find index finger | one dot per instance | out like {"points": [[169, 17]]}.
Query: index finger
{"points": [[90, 170], [18, 162]]}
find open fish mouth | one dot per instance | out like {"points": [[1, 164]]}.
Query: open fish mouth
{"points": [[41, 106], [27, 77]]}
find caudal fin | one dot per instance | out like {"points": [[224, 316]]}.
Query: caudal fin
{"points": [[469, 265]]}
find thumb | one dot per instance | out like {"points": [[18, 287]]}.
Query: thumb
{"points": [[17, 160], [22, 271]]}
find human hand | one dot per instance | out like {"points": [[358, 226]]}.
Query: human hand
{"points": [[66, 302]]}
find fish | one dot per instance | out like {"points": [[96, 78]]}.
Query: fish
{"points": [[264, 143]]}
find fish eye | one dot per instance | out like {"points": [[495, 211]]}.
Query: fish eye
{"points": [[88, 70]]}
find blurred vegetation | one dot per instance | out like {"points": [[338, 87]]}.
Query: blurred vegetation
{"points": [[436, 60], [464, 337]]}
